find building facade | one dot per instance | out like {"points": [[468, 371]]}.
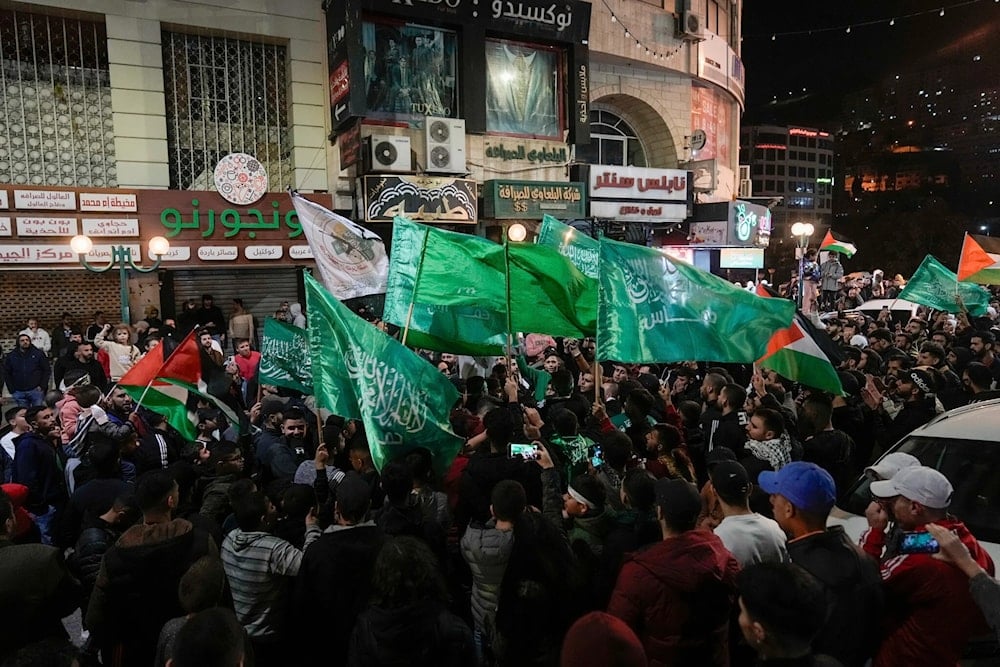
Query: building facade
{"points": [[125, 121]]}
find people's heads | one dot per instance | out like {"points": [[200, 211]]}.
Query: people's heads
{"points": [[765, 424], [397, 482], [914, 384], [976, 377], [981, 343], [711, 387], [8, 522], [598, 638], [663, 438], [508, 500], [617, 449], [15, 418], [638, 490], [638, 404], [586, 383], [561, 382], [238, 305], [24, 341], [119, 401], [565, 422], [915, 496], [802, 495], [360, 455], [105, 456], [293, 424], [903, 340], [931, 354], [677, 505], [915, 327], [880, 340], [406, 573], [201, 587], [227, 458], [731, 483], [871, 362], [121, 333], [205, 339], [211, 637], [353, 499], [585, 496], [151, 342], [40, 419], [252, 510], [84, 351], [499, 428], [782, 608], [243, 347], [208, 421], [815, 414], [890, 464], [157, 493], [942, 338], [207, 300], [552, 363]]}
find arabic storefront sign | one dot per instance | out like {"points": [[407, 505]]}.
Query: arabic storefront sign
{"points": [[55, 254], [349, 144], [633, 211], [300, 252], [45, 200], [110, 226], [5, 227], [714, 233], [531, 200], [534, 153], [100, 202], [638, 183], [258, 252], [177, 253], [422, 199], [205, 220], [218, 253], [46, 226], [750, 224]]}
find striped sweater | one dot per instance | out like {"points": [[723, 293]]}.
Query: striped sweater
{"points": [[260, 568]]}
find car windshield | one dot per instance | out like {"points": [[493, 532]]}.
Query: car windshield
{"points": [[970, 465]]}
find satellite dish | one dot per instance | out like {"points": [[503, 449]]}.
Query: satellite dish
{"points": [[698, 139]]}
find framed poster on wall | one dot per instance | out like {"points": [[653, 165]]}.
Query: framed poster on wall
{"points": [[524, 89]]}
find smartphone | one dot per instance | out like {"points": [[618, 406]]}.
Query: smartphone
{"points": [[879, 384], [527, 452], [597, 460], [918, 543]]}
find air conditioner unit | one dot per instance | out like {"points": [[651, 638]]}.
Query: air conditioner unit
{"points": [[690, 26], [387, 152], [744, 172], [746, 187], [445, 145]]}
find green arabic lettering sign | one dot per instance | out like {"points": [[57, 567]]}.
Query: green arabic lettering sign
{"points": [[531, 200], [233, 221]]}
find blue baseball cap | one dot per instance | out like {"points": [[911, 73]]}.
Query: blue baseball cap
{"points": [[806, 486]]}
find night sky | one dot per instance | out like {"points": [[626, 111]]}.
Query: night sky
{"points": [[830, 63]]}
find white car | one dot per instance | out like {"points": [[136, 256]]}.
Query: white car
{"points": [[964, 444]]}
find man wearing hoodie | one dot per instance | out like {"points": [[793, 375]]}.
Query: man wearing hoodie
{"points": [[581, 514], [678, 594], [400, 515], [260, 568]]}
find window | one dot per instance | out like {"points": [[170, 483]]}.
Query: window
{"points": [[769, 169], [56, 126], [757, 170], [410, 69], [781, 170], [613, 141], [769, 185], [523, 89], [224, 96]]}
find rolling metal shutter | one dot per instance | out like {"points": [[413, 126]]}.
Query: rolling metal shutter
{"points": [[262, 290]]}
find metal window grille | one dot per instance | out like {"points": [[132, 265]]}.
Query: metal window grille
{"points": [[56, 126], [224, 96]]}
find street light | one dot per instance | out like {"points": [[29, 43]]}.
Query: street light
{"points": [[121, 256], [801, 231], [517, 232]]}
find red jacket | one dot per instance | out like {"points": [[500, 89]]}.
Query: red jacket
{"points": [[677, 595], [930, 614]]}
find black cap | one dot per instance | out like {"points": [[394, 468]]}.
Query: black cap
{"points": [[730, 479], [678, 500]]}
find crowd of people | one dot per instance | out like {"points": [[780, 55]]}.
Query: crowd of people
{"points": [[598, 512]]}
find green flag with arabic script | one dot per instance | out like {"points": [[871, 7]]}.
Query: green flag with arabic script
{"points": [[581, 249], [284, 357], [361, 372], [934, 286], [654, 308]]}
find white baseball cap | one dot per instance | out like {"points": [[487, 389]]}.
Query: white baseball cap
{"points": [[890, 464], [917, 483]]}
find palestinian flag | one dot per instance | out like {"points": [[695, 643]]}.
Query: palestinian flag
{"points": [[175, 385], [797, 353], [833, 245], [980, 260]]}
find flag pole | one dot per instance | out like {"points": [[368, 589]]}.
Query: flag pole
{"points": [[416, 284], [142, 396], [506, 269]]}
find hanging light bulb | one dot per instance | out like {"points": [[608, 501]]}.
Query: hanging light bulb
{"points": [[614, 19], [892, 22], [774, 37], [628, 34], [942, 12], [848, 30]]}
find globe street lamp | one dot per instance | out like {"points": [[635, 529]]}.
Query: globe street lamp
{"points": [[121, 256], [801, 231]]}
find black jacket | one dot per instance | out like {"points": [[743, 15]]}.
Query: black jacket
{"points": [[834, 452], [484, 471], [333, 587], [423, 634], [854, 594], [913, 414]]}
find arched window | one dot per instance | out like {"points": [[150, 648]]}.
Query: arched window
{"points": [[613, 141]]}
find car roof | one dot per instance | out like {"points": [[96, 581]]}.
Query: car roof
{"points": [[892, 304], [978, 421]]}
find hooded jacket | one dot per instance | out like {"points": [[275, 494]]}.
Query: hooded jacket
{"points": [[422, 634], [677, 596], [930, 614], [136, 588], [36, 467], [260, 568], [487, 551]]}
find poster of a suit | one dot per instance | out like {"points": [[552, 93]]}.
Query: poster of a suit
{"points": [[522, 89]]}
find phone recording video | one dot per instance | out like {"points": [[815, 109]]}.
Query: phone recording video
{"points": [[597, 460], [526, 451], [918, 543]]}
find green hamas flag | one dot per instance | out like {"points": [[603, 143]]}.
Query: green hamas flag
{"points": [[933, 285], [548, 295], [582, 250], [456, 285], [656, 309], [284, 357], [359, 371]]}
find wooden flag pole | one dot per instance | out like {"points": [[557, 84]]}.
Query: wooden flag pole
{"points": [[416, 284]]}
